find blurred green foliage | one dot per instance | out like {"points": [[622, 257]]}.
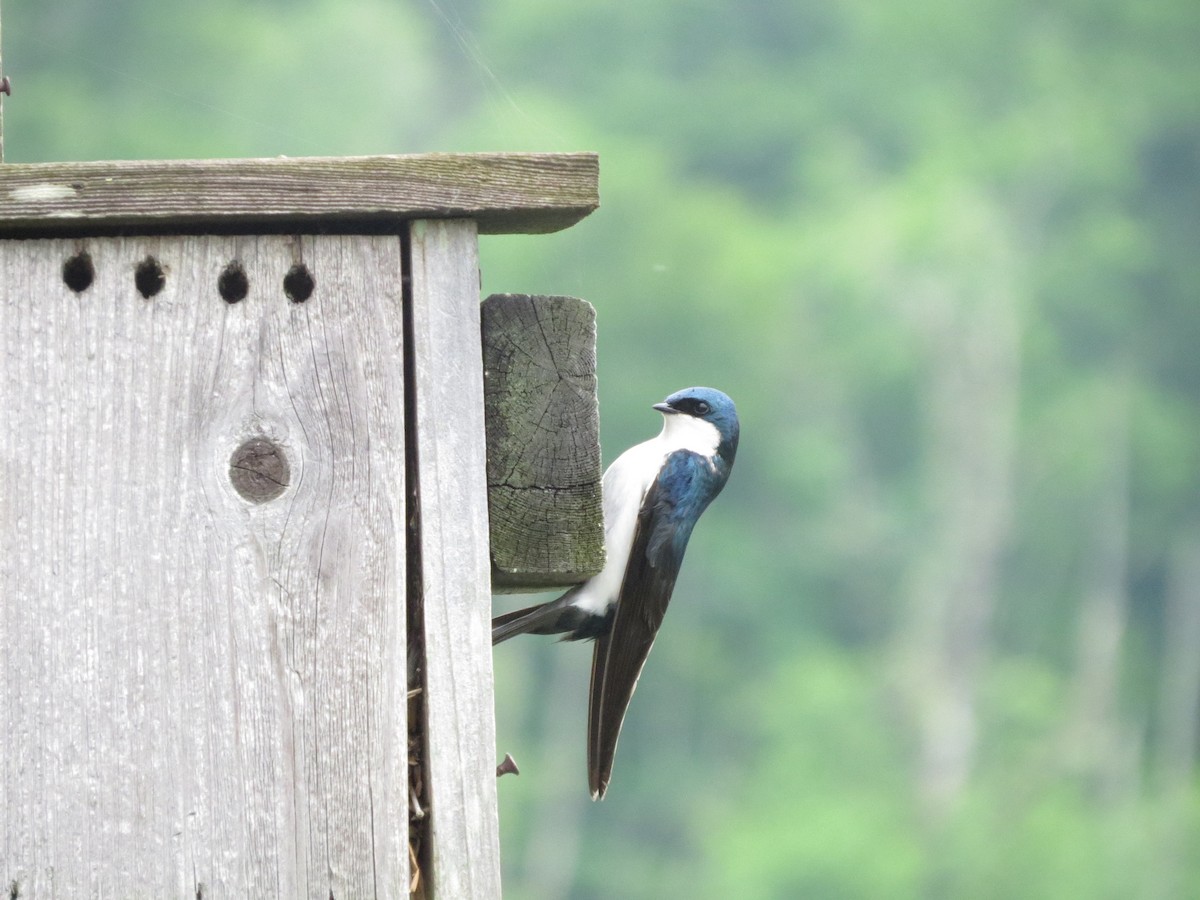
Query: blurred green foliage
{"points": [[936, 638]]}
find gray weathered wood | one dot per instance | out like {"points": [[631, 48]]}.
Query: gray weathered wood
{"points": [[503, 192], [460, 731], [199, 692], [544, 499]]}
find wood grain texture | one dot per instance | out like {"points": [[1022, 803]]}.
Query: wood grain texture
{"points": [[503, 192], [198, 692], [544, 497], [452, 488]]}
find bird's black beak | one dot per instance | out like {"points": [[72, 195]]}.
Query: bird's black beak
{"points": [[665, 409]]}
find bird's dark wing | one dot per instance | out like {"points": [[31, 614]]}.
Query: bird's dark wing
{"points": [[684, 487]]}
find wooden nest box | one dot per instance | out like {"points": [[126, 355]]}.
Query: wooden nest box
{"points": [[252, 431]]}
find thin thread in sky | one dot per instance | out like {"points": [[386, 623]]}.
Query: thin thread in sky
{"points": [[474, 55]]}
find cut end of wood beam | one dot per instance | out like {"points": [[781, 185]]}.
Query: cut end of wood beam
{"points": [[544, 473]]}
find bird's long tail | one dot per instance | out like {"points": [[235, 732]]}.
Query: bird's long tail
{"points": [[541, 619]]}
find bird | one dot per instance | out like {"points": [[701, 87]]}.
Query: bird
{"points": [[654, 494]]}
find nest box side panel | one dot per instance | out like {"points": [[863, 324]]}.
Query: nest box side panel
{"points": [[452, 488], [202, 519]]}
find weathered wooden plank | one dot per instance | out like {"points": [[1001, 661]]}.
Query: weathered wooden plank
{"points": [[201, 695], [460, 735], [503, 192], [543, 471]]}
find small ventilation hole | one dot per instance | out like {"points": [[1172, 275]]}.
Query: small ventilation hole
{"points": [[298, 283], [78, 272], [149, 277], [233, 284]]}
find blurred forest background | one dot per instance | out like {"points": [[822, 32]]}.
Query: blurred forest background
{"points": [[940, 637]]}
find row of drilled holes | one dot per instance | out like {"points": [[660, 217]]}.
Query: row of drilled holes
{"points": [[149, 278]]}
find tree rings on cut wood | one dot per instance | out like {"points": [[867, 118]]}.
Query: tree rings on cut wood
{"points": [[543, 430], [259, 470]]}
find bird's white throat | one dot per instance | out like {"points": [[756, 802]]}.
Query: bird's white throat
{"points": [[684, 432]]}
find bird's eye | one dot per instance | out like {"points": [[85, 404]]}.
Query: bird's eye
{"points": [[702, 408]]}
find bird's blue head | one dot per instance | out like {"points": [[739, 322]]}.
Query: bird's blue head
{"points": [[707, 405]]}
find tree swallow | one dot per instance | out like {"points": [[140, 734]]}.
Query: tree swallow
{"points": [[653, 495]]}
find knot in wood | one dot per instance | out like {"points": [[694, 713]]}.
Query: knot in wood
{"points": [[259, 470]]}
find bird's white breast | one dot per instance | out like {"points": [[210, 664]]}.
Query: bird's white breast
{"points": [[625, 484]]}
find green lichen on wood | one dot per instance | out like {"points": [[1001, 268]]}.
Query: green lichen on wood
{"points": [[543, 468]]}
